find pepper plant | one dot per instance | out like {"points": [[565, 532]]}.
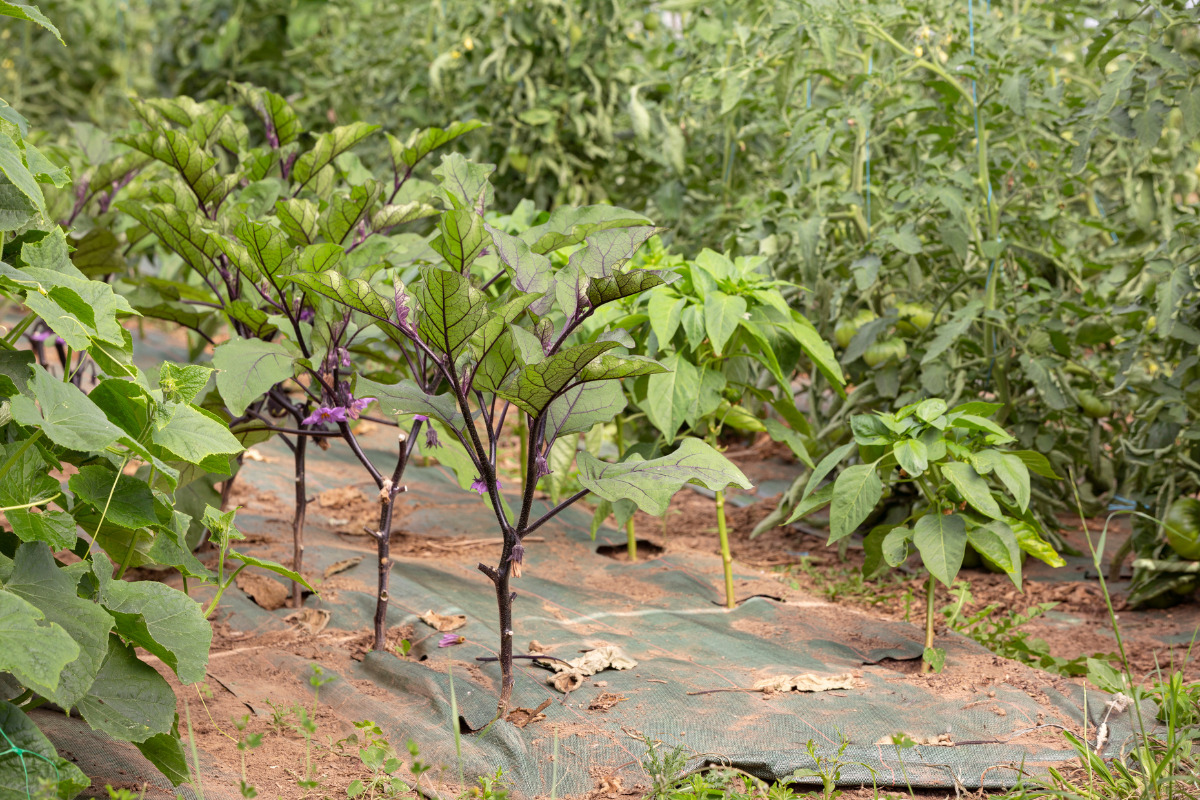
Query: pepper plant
{"points": [[732, 343], [968, 492], [241, 210], [522, 352]]}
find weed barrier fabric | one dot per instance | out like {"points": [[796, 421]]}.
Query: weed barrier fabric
{"points": [[661, 613]]}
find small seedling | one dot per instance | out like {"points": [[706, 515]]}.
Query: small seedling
{"points": [[317, 679], [246, 741]]}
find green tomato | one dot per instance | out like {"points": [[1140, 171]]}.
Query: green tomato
{"points": [[1182, 527], [650, 21], [914, 318], [886, 350], [846, 328], [1039, 342], [1093, 406]]}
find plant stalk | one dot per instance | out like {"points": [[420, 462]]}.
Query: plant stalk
{"points": [[630, 528], [726, 555], [298, 517], [929, 612]]}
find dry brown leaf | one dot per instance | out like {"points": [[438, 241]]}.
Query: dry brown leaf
{"points": [[265, 592], [254, 455], [312, 620], [342, 566], [611, 784], [807, 682], [604, 701], [523, 716], [444, 624], [570, 674]]}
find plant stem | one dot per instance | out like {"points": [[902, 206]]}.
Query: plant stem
{"points": [[221, 590], [504, 600], [16, 456], [384, 535], [128, 555], [298, 516], [929, 612], [630, 528], [726, 555]]}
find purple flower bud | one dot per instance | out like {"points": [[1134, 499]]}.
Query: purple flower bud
{"points": [[41, 336], [478, 485], [345, 356], [518, 553], [307, 314], [431, 438], [540, 468], [451, 639]]}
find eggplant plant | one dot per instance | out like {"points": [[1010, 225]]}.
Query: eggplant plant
{"points": [[239, 211], [972, 494], [520, 352]]}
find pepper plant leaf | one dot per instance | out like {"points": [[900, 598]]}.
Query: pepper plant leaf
{"points": [[997, 542], [942, 541], [855, 494], [972, 487], [651, 484]]}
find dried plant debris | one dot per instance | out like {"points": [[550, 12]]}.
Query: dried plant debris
{"points": [[310, 620], [524, 716], [338, 567], [570, 675], [604, 701], [808, 682], [267, 593], [444, 623]]}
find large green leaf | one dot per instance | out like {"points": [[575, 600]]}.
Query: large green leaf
{"points": [[665, 309], [530, 272], [1009, 469], [567, 226], [462, 238], [55, 528], [187, 157], [66, 415], [32, 650], [29, 13], [192, 435], [451, 309], [26, 480], [129, 700], [651, 484], [997, 542], [37, 579], [274, 111], [682, 395], [972, 487], [619, 285], [346, 210], [247, 368], [158, 618], [942, 541], [298, 218], [19, 773], [180, 229], [405, 398], [912, 456], [465, 185], [578, 409], [855, 494], [406, 155], [609, 250], [129, 503], [722, 314], [12, 166], [328, 147], [165, 752], [536, 385]]}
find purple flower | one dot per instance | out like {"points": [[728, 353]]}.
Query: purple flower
{"points": [[326, 414], [307, 314], [479, 486], [345, 357], [451, 639], [421, 417], [358, 406], [431, 438], [41, 336], [58, 340]]}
